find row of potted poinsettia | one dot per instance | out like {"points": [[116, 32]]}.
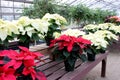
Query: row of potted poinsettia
{"points": [[22, 65], [68, 46], [73, 43], [26, 29]]}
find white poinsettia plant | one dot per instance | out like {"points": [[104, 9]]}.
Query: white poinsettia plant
{"points": [[97, 41], [59, 20], [70, 32], [100, 39], [31, 28], [107, 34], [8, 31], [105, 26], [115, 29], [57, 23], [90, 28]]}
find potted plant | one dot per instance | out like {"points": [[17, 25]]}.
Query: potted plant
{"points": [[100, 41], [113, 19], [31, 30], [56, 24], [68, 49], [8, 31], [20, 66]]}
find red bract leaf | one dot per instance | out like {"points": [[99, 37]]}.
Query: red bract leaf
{"points": [[40, 76], [70, 46], [17, 64], [25, 52], [65, 41], [24, 49], [7, 74], [14, 63], [9, 53], [29, 70], [1, 62], [28, 62], [52, 43]]}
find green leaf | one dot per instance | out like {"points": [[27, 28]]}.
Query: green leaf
{"points": [[66, 54], [6, 43], [9, 38], [1, 41], [23, 38], [83, 57], [71, 61], [35, 37]]}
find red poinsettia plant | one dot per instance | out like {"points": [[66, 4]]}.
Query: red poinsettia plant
{"points": [[20, 65], [69, 48]]}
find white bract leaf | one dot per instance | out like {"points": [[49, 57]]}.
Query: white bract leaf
{"points": [[3, 34]]}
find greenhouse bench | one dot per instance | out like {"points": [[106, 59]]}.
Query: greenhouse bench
{"points": [[54, 70]]}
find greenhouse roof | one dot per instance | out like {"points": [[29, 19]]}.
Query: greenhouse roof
{"points": [[112, 5]]}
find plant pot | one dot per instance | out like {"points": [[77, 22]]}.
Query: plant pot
{"points": [[68, 66], [91, 57], [48, 40], [24, 44], [102, 51], [3, 47]]}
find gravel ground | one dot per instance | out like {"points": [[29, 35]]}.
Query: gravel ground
{"points": [[113, 66]]}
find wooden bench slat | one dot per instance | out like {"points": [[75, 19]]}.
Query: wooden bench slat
{"points": [[81, 71], [48, 65], [42, 63], [53, 69], [56, 75]]}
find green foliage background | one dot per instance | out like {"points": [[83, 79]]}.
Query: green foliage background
{"points": [[79, 13]]}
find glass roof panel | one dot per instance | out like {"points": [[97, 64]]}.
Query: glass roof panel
{"points": [[103, 4]]}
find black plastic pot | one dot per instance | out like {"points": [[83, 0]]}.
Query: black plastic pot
{"points": [[91, 57]]}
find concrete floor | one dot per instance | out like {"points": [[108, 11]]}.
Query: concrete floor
{"points": [[113, 66]]}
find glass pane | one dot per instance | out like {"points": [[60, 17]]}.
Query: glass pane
{"points": [[18, 4], [29, 0], [17, 10], [7, 10], [7, 3], [27, 4], [17, 17], [7, 17]]}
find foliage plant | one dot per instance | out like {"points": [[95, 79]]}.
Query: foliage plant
{"points": [[19, 66], [40, 8], [73, 13]]}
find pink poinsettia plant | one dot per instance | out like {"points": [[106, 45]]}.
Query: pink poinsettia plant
{"points": [[20, 65], [113, 19]]}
